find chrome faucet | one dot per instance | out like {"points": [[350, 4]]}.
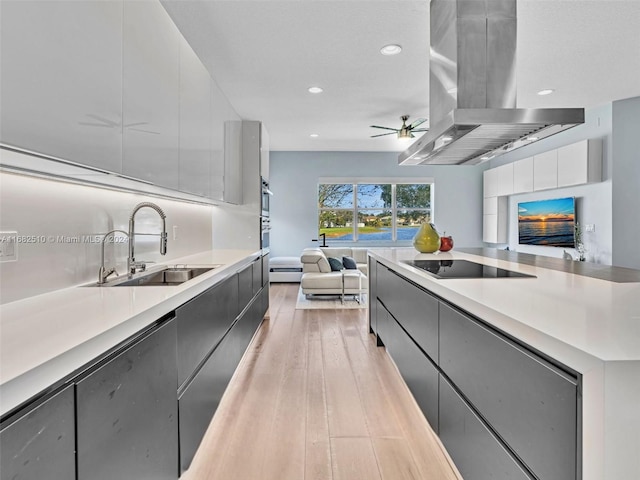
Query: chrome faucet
{"points": [[132, 265], [104, 273]]}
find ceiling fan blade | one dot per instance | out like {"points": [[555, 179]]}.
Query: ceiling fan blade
{"points": [[386, 128], [417, 122], [382, 134], [419, 129]]}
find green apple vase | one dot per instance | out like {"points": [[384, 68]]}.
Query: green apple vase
{"points": [[427, 239]]}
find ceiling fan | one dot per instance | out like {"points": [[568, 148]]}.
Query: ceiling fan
{"points": [[405, 131]]}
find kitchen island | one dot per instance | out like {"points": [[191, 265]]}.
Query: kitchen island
{"points": [[585, 330]]}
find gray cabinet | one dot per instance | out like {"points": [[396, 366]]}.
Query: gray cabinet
{"points": [[245, 286], [201, 324], [372, 289], [413, 308], [529, 402], [420, 375], [199, 400], [127, 412], [476, 452], [41, 443], [61, 80], [151, 94], [201, 397]]}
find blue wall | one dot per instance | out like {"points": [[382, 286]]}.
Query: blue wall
{"points": [[294, 180]]}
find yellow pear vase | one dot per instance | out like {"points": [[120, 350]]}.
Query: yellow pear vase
{"points": [[427, 239]]}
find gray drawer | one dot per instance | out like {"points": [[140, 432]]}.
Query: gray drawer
{"points": [[202, 322], [477, 454], [417, 371], [413, 308], [531, 404]]}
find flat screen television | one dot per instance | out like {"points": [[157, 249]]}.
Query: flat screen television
{"points": [[549, 223]]}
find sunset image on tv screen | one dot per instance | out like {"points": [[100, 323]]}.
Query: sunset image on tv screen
{"points": [[547, 222]]}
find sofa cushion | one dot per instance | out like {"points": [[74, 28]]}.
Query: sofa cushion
{"points": [[335, 264], [314, 260], [349, 263]]}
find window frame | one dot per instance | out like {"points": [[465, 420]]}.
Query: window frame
{"points": [[355, 182]]}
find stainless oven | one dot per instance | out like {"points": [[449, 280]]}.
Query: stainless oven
{"points": [[266, 196], [265, 230]]}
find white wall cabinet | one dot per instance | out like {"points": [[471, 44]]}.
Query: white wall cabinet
{"points": [[151, 94], [112, 85], [246, 161], [490, 182], [523, 175], [495, 220], [195, 123], [61, 80], [580, 163], [505, 180], [545, 170]]}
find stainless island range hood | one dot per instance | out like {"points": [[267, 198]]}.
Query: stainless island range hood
{"points": [[472, 91]]}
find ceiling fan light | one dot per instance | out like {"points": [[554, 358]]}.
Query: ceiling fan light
{"points": [[391, 49]]}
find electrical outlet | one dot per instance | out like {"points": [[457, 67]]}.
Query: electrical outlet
{"points": [[590, 227], [8, 247], [175, 232]]}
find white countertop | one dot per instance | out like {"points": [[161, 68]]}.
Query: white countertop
{"points": [[44, 339], [573, 318]]}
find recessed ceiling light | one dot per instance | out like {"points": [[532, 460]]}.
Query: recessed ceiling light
{"points": [[391, 49], [315, 90], [547, 91], [314, 135]]}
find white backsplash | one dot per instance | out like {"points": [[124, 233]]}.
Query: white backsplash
{"points": [[65, 222]]}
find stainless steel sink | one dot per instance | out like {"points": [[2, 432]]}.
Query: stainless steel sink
{"points": [[169, 276]]}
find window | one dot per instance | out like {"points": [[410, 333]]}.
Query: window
{"points": [[370, 211]]}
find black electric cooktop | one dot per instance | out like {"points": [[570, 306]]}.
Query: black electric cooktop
{"points": [[463, 269]]}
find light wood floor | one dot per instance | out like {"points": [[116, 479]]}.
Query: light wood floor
{"points": [[315, 399]]}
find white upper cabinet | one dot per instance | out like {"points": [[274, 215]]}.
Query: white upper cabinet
{"points": [[505, 180], [61, 79], [523, 175], [490, 183], [580, 163], [221, 184], [264, 153], [545, 170], [151, 94], [195, 123]]}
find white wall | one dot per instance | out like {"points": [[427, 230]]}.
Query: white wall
{"points": [[294, 181], [593, 202], [60, 212]]}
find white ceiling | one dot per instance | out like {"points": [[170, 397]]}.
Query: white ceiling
{"points": [[264, 54]]}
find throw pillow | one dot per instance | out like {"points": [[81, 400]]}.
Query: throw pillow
{"points": [[349, 263], [336, 265]]}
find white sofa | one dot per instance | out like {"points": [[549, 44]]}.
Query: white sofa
{"points": [[318, 279]]}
